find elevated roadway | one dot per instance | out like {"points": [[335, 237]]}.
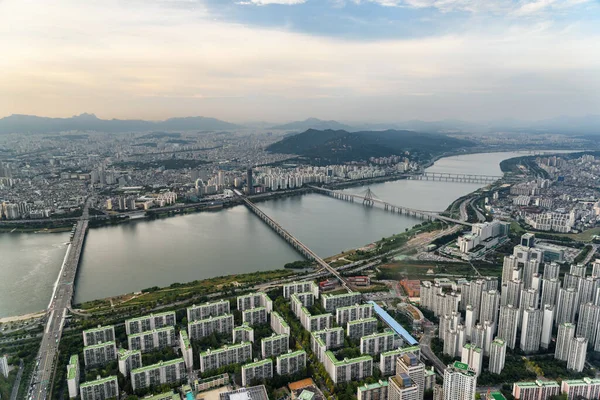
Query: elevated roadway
{"points": [[370, 201], [60, 304]]}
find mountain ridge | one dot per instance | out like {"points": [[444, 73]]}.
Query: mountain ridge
{"points": [[22, 123]]}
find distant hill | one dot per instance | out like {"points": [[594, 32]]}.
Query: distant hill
{"points": [[313, 123], [341, 145], [89, 122]]}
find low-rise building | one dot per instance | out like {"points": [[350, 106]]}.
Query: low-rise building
{"points": [[331, 302], [255, 316], [278, 324], [586, 388], [355, 369], [377, 343], [100, 389], [258, 370], [243, 333], [99, 354], [291, 363], [164, 372], [536, 390], [300, 287], [150, 322], [274, 345], [73, 376], [186, 349], [343, 315], [205, 327], [129, 360], [226, 355], [101, 334], [209, 309], [361, 327], [253, 300], [152, 340], [373, 391]]}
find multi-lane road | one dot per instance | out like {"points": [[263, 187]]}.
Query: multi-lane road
{"points": [[57, 311]]}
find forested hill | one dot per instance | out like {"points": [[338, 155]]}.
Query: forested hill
{"points": [[340, 145]]}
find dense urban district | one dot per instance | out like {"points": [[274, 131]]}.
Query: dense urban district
{"points": [[497, 297]]}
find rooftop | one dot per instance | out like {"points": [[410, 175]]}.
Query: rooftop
{"points": [[158, 365], [537, 383], [258, 363], [100, 381], [341, 295], [124, 353], [280, 318], [163, 329], [392, 323], [150, 316], [346, 361], [372, 386], [184, 338], [99, 345], [163, 396], [211, 318], [98, 329], [362, 321], [244, 327], [226, 347], [291, 354]]}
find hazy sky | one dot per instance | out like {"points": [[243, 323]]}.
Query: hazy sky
{"points": [[278, 60]]}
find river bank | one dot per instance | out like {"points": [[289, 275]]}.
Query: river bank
{"points": [[129, 257]]}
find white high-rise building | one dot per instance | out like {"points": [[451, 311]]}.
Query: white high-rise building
{"points": [[507, 326], [460, 382], [566, 306], [401, 387], [409, 364], [490, 304], [510, 263], [577, 353], [529, 298], [473, 357], [547, 324], [550, 289], [566, 333], [587, 323], [551, 270], [497, 356], [478, 336], [512, 294], [530, 268], [531, 330], [578, 270], [490, 331], [596, 268], [72, 375], [470, 320], [587, 289], [100, 389]]}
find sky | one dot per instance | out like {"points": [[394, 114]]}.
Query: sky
{"points": [[282, 60]]}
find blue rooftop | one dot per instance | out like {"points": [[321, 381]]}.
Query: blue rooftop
{"points": [[392, 323], [189, 396]]}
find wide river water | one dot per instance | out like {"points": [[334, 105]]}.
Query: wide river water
{"points": [[130, 257]]}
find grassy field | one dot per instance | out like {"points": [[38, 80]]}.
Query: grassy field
{"points": [[585, 236]]}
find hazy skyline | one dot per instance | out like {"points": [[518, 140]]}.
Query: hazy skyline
{"points": [[281, 60]]}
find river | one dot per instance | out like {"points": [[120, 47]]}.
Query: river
{"points": [[138, 255]]}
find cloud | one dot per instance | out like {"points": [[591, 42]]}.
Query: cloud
{"points": [[516, 8], [269, 2], [137, 59]]}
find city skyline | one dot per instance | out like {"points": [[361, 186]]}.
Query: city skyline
{"points": [[382, 60]]}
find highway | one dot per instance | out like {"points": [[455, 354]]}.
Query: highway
{"points": [[59, 305]]}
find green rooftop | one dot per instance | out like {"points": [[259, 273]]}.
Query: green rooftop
{"points": [[341, 295], [368, 305], [461, 366], [211, 318], [537, 383], [378, 334], [163, 329], [157, 365], [225, 348], [280, 318], [162, 314], [164, 396], [254, 309], [373, 386], [98, 329], [208, 303], [124, 353], [99, 345], [258, 363], [244, 327], [73, 367], [346, 361], [100, 381], [275, 337], [306, 395], [497, 396], [184, 338], [292, 354], [361, 321]]}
